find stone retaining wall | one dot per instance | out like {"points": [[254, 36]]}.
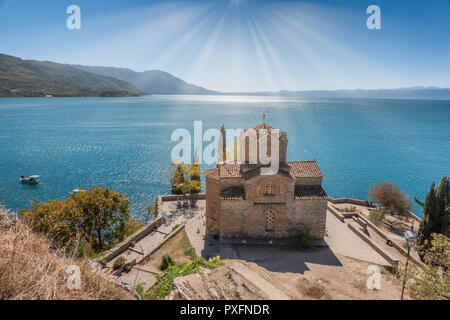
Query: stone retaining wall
{"points": [[336, 213], [405, 253], [384, 253], [135, 237], [416, 218], [366, 204], [351, 201], [393, 243], [169, 236], [175, 197]]}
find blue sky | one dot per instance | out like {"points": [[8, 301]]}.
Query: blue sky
{"points": [[243, 45]]}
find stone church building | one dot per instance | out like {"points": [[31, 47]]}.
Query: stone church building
{"points": [[244, 206]]}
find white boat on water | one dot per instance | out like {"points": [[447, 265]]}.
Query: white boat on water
{"points": [[75, 191], [34, 179]]}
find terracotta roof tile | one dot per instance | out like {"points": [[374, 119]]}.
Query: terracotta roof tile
{"points": [[304, 169], [212, 173], [298, 169], [230, 170]]}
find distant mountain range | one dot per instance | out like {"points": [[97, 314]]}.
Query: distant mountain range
{"points": [[26, 78], [150, 82], [424, 93], [30, 78]]}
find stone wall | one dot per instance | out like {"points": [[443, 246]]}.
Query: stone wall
{"points": [[234, 217], [213, 188], [175, 197], [242, 219], [280, 186], [351, 201], [248, 218], [309, 215], [135, 237]]}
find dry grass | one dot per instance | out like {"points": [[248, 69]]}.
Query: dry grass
{"points": [[31, 270], [313, 289], [174, 247], [360, 284]]}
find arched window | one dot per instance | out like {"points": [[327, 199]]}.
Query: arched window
{"points": [[269, 220], [268, 190]]}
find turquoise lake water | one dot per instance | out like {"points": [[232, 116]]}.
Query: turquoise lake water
{"points": [[124, 143]]}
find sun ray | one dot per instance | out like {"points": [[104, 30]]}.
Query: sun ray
{"points": [[278, 70], [206, 54], [189, 34]]}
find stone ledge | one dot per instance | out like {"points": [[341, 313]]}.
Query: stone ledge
{"points": [[337, 214], [384, 253], [135, 237], [374, 227], [175, 197], [351, 201], [392, 242]]}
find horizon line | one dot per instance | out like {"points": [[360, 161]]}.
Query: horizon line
{"points": [[239, 91]]}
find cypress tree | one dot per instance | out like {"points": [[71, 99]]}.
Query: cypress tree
{"points": [[436, 213], [426, 226], [443, 200], [223, 144]]}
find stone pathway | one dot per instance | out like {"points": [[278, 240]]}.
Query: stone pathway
{"points": [[153, 240], [175, 217], [195, 229], [342, 240]]}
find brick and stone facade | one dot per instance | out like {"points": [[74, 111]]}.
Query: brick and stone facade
{"points": [[242, 203]]}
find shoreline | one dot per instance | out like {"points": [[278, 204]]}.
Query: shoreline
{"points": [[293, 97]]}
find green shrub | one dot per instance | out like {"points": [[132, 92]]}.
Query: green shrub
{"points": [[83, 250], [190, 252], [142, 293], [119, 262], [164, 284], [166, 262], [434, 282], [100, 216], [304, 240], [377, 215]]}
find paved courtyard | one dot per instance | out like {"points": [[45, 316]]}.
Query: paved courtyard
{"points": [[339, 238]]}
